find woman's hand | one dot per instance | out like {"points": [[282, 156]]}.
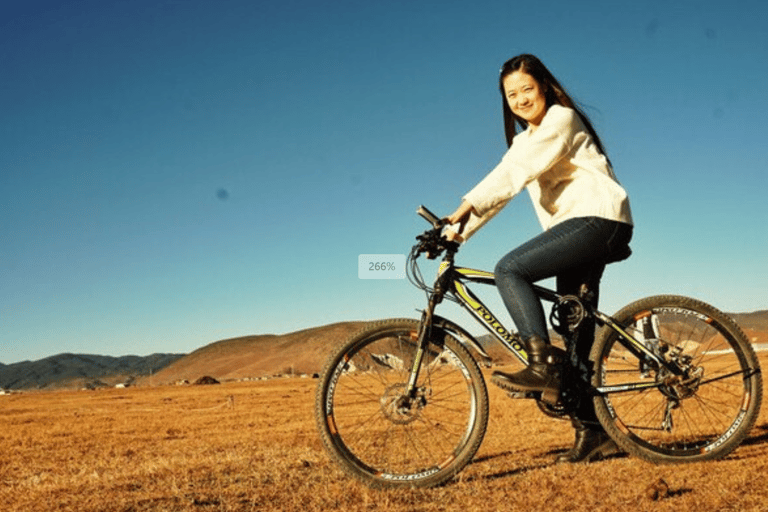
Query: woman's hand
{"points": [[452, 236], [460, 217]]}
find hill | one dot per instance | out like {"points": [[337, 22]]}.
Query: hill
{"points": [[81, 370], [305, 352], [301, 352], [755, 325], [757, 320]]}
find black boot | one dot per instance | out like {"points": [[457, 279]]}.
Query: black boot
{"points": [[543, 373], [592, 444]]}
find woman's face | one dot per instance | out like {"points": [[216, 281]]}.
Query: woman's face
{"points": [[525, 97]]}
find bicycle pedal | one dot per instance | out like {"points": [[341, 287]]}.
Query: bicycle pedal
{"points": [[522, 394]]}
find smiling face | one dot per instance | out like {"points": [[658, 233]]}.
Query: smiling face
{"points": [[525, 97]]}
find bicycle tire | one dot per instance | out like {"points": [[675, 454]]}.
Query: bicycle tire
{"points": [[366, 429], [702, 416]]}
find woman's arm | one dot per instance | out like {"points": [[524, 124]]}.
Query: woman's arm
{"points": [[531, 155]]}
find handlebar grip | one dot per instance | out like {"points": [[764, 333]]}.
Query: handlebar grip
{"points": [[430, 217]]}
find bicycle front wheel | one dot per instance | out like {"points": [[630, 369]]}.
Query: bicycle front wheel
{"points": [[702, 414], [386, 437]]}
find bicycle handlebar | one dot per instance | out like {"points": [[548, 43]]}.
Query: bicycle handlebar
{"points": [[433, 242], [430, 217]]}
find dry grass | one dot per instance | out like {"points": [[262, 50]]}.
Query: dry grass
{"points": [[241, 447]]}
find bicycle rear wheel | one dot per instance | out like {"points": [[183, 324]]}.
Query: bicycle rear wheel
{"points": [[381, 435], [701, 415]]}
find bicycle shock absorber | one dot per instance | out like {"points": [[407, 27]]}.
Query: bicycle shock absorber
{"points": [[648, 327], [567, 314]]}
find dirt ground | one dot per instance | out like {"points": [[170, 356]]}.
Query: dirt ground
{"points": [[253, 446]]}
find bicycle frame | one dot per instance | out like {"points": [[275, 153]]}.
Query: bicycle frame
{"points": [[480, 311], [453, 280]]}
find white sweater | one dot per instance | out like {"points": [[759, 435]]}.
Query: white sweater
{"points": [[563, 170]]}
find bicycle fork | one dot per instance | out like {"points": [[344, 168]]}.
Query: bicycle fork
{"points": [[422, 343]]}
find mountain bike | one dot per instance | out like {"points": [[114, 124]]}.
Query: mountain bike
{"points": [[404, 402]]}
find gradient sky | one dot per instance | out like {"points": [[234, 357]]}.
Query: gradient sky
{"points": [[175, 172]]}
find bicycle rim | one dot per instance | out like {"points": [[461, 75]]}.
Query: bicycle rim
{"points": [[701, 415], [385, 438]]}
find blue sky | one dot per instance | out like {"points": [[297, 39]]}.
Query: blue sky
{"points": [[173, 173]]}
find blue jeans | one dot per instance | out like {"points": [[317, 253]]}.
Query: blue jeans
{"points": [[574, 251]]}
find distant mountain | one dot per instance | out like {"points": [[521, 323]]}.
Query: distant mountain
{"points": [[81, 370]]}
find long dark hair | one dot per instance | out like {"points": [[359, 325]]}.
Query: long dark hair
{"points": [[554, 94]]}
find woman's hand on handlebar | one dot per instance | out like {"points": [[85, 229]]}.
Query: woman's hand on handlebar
{"points": [[452, 236], [460, 217]]}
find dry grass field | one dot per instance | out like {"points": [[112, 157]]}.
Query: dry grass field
{"points": [[253, 446]]}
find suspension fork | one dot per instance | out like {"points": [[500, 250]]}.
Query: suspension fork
{"points": [[425, 327], [425, 332]]}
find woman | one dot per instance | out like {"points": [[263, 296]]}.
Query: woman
{"points": [[587, 223]]}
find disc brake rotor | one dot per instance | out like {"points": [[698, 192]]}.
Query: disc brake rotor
{"points": [[400, 408]]}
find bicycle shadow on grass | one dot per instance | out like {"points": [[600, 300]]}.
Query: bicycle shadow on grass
{"points": [[760, 438], [752, 440], [504, 474], [550, 455]]}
